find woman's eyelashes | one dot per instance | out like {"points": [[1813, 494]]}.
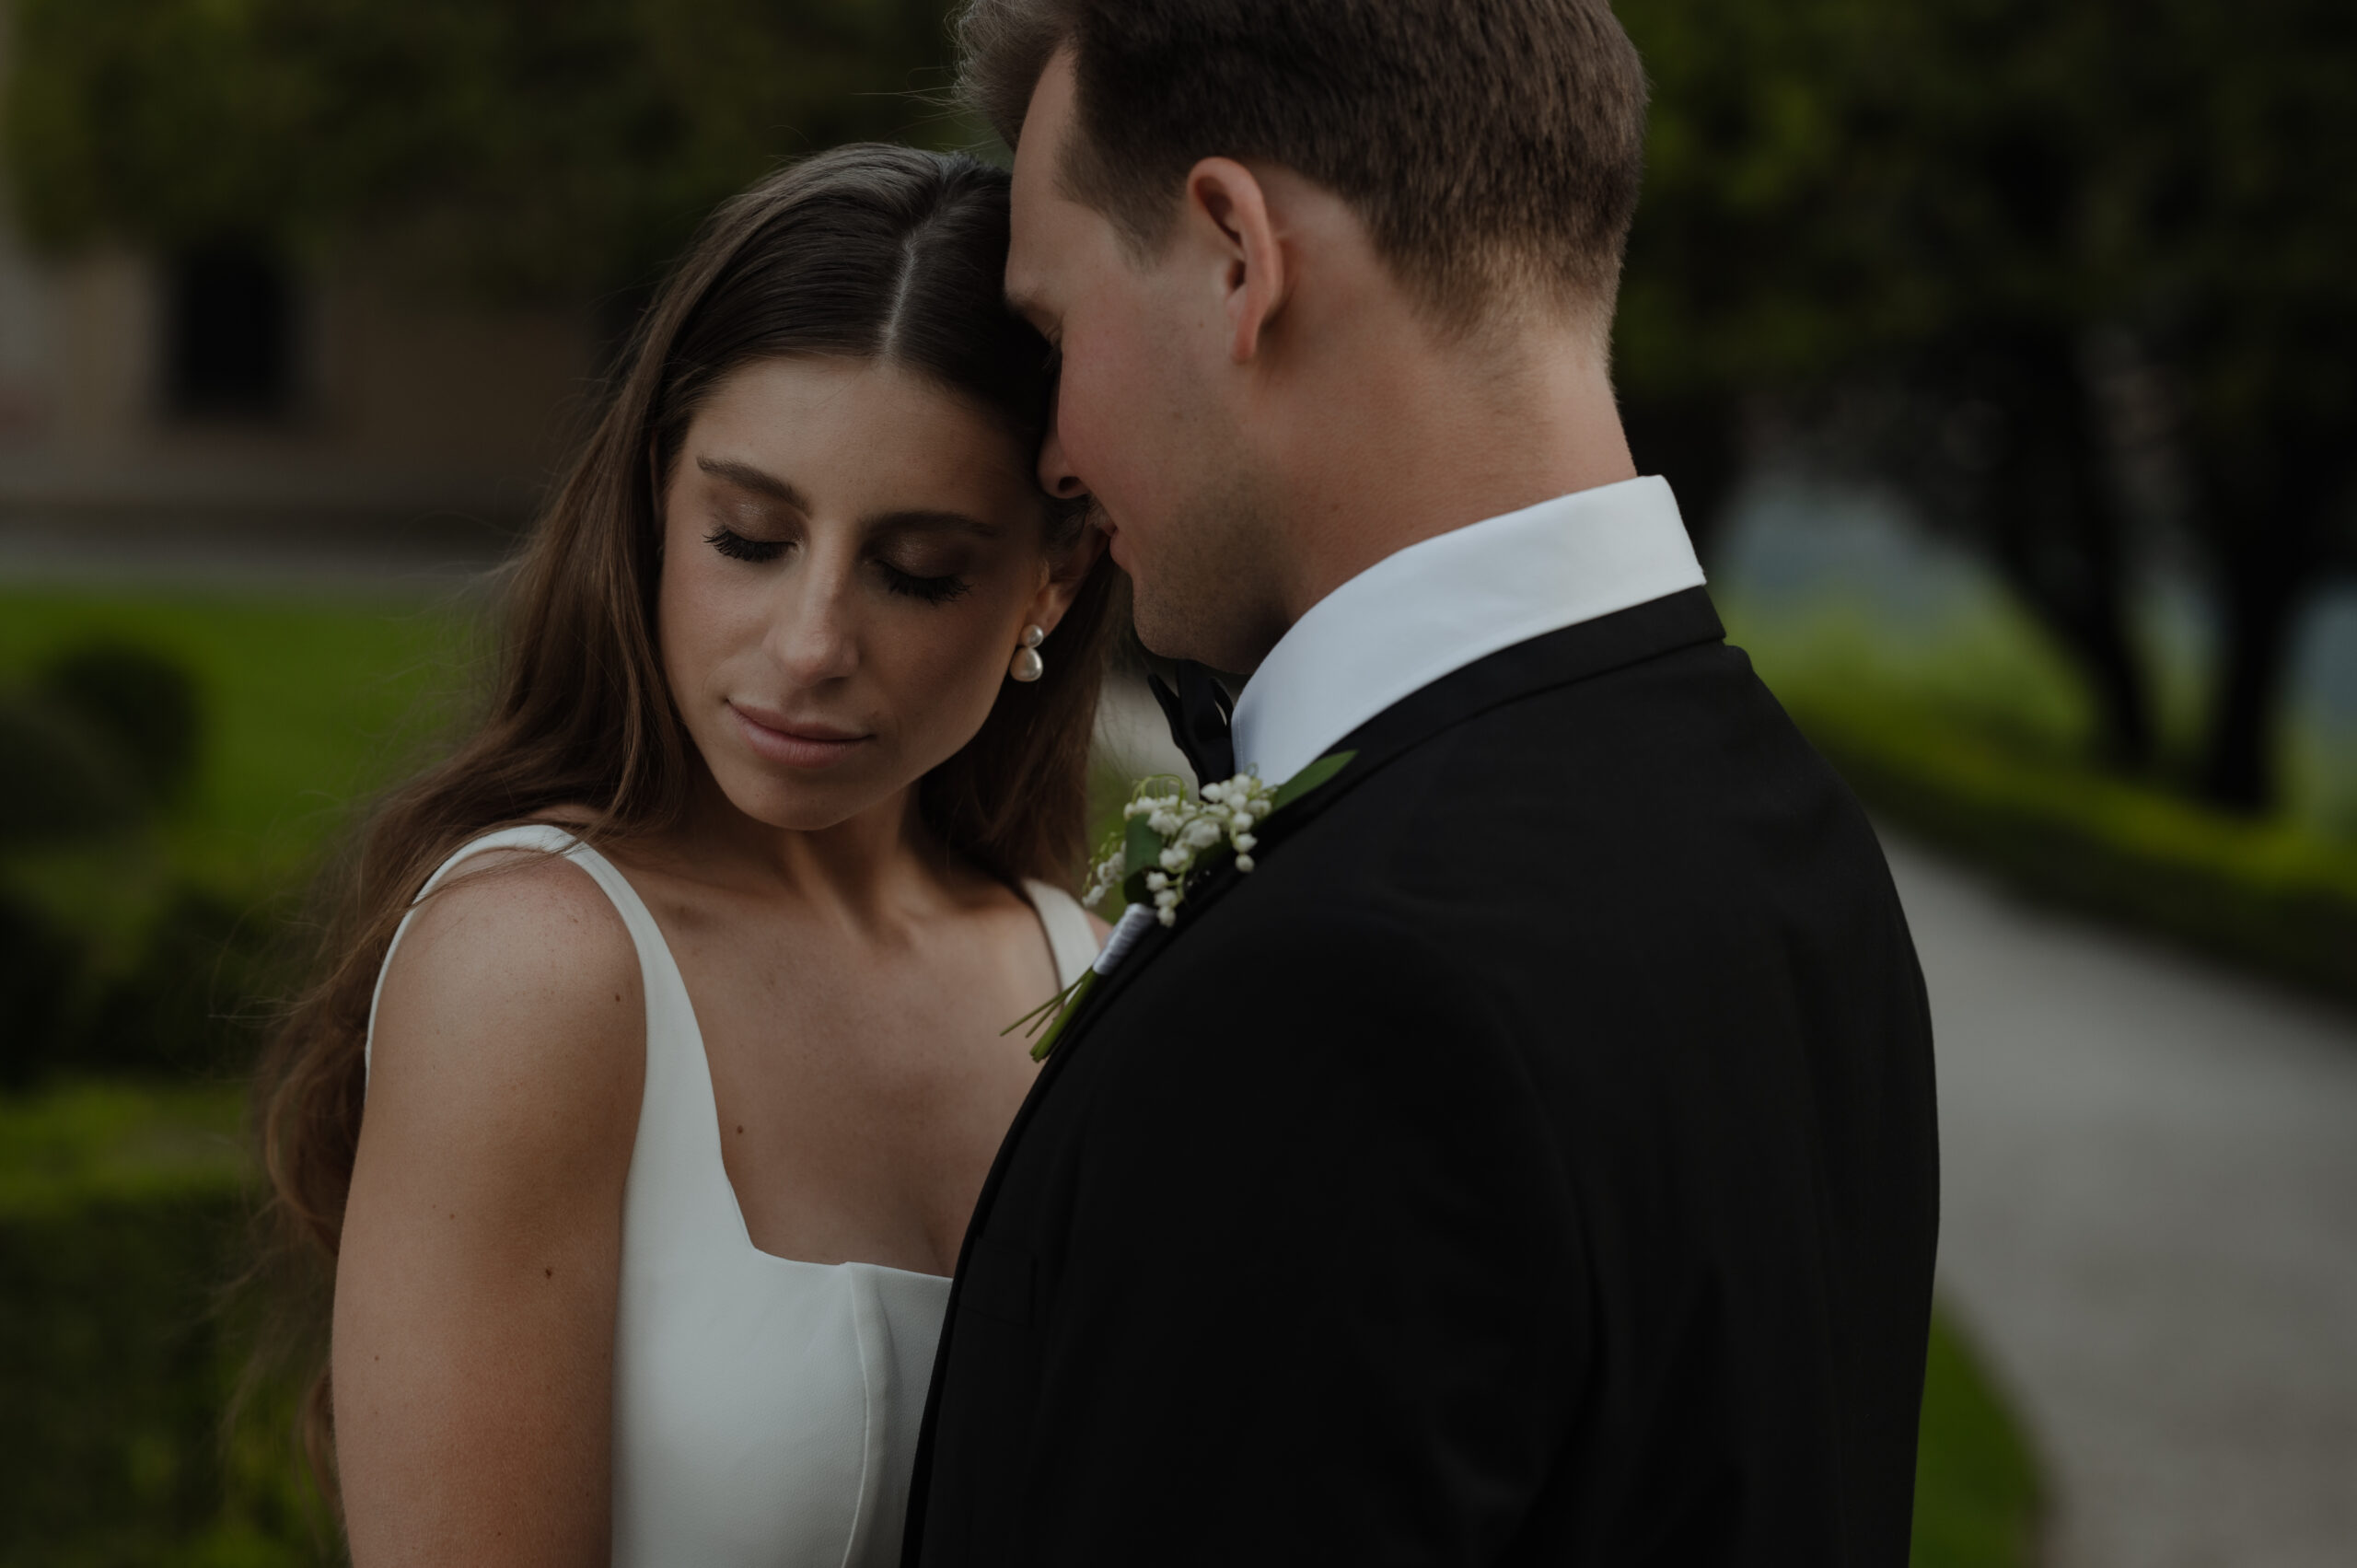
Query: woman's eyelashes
{"points": [[737, 547], [929, 590], [925, 587]]}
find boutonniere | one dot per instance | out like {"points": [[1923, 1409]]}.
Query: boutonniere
{"points": [[1165, 845]]}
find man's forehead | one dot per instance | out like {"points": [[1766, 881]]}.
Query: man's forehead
{"points": [[1054, 97], [1036, 186]]}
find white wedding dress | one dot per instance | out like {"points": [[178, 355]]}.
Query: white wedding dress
{"points": [[765, 1410]]}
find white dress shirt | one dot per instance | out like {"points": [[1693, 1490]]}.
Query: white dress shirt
{"points": [[1439, 605]]}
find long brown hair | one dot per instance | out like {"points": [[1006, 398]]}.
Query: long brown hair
{"points": [[869, 251]]}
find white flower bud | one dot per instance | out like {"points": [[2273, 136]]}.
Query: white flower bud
{"points": [[1244, 862], [1168, 917], [1156, 881], [1172, 859], [1244, 841]]}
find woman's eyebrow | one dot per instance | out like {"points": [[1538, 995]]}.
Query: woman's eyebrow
{"points": [[745, 476], [932, 522]]}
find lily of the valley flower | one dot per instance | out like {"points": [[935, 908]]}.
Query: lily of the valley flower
{"points": [[1183, 832], [1164, 840]]}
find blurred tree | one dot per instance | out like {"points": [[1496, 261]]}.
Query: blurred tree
{"points": [[523, 147], [2245, 168], [1952, 215]]}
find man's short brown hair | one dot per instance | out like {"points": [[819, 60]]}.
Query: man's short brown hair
{"points": [[1487, 144]]}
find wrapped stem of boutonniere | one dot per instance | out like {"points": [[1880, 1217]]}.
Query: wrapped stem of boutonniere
{"points": [[1166, 844]]}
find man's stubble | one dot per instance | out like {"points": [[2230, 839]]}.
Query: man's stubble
{"points": [[1211, 589]]}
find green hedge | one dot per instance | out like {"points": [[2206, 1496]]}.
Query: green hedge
{"points": [[2270, 896], [124, 1217]]}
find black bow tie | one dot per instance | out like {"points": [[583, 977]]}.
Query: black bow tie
{"points": [[1199, 713]]}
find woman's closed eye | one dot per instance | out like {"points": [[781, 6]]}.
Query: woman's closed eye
{"points": [[938, 590], [739, 547]]}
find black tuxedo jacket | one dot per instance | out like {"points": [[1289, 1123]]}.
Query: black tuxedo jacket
{"points": [[1532, 1161]]}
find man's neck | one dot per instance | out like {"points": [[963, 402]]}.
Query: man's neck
{"points": [[1420, 438]]}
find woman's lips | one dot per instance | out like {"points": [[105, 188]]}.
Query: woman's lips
{"points": [[796, 744]]}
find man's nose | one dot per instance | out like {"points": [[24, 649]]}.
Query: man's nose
{"points": [[1056, 475]]}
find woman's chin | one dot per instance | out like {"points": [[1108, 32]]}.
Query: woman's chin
{"points": [[802, 804]]}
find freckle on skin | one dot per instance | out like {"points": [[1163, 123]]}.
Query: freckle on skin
{"points": [[548, 1273]]}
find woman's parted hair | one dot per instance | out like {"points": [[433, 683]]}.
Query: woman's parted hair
{"points": [[867, 251]]}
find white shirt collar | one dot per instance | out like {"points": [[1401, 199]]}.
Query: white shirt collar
{"points": [[1446, 601]]}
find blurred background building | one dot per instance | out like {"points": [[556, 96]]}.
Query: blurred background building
{"points": [[2003, 354], [217, 384]]}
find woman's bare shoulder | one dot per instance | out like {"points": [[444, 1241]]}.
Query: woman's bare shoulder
{"points": [[513, 1005]]}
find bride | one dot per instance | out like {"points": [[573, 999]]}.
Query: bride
{"points": [[659, 1065]]}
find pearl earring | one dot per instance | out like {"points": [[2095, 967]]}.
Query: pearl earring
{"points": [[1029, 666]]}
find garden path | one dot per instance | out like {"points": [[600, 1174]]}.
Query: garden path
{"points": [[2151, 1224]]}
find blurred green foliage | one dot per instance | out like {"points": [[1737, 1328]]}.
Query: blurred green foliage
{"points": [[1832, 182], [124, 1221], [168, 770], [517, 146], [2066, 271], [140, 707], [1979, 1502], [1972, 744]]}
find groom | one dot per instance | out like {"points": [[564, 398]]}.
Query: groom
{"points": [[1532, 1160]]}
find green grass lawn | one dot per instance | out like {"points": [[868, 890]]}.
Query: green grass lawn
{"points": [[309, 704], [1978, 1503]]}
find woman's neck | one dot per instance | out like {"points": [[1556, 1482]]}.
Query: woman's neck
{"points": [[870, 870]]}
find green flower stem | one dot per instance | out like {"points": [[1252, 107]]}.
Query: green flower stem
{"points": [[1077, 994]]}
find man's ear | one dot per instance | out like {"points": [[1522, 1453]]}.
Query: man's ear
{"points": [[1066, 573], [1232, 206]]}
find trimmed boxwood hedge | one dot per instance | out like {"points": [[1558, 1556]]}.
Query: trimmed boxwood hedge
{"points": [[123, 1217], [2265, 894]]}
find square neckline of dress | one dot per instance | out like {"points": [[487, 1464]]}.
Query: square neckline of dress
{"points": [[703, 1054]]}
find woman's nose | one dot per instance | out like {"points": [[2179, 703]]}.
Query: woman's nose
{"points": [[811, 636]]}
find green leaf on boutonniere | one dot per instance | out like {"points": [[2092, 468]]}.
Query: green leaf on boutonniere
{"points": [[1312, 776], [1141, 853], [1141, 847]]}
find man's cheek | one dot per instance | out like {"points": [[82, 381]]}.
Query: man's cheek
{"points": [[1102, 429]]}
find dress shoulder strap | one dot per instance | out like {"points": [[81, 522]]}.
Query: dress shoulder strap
{"points": [[1071, 937], [547, 839]]}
